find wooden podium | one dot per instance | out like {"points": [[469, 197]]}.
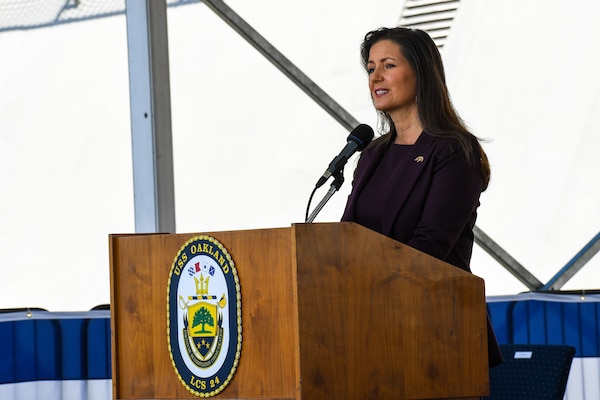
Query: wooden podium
{"points": [[329, 311]]}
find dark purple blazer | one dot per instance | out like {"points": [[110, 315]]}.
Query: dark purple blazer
{"points": [[433, 206]]}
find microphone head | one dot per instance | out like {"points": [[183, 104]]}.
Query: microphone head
{"points": [[362, 136]]}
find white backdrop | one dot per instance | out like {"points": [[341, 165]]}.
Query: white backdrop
{"points": [[249, 145]]}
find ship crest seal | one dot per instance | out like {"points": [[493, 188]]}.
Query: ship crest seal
{"points": [[204, 328]]}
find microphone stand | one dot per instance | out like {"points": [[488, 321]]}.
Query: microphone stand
{"points": [[338, 180]]}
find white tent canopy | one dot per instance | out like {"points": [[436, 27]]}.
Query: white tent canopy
{"points": [[249, 145]]}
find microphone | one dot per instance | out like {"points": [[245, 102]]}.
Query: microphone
{"points": [[359, 138]]}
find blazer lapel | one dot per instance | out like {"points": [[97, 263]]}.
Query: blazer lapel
{"points": [[420, 157], [370, 159]]}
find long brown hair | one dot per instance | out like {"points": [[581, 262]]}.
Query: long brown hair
{"points": [[436, 112]]}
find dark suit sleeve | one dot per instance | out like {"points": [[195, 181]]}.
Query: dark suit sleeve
{"points": [[449, 210]]}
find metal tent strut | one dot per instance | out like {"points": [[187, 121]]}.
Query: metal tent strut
{"points": [[574, 265], [282, 63]]}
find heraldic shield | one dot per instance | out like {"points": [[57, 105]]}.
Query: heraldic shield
{"points": [[203, 325]]}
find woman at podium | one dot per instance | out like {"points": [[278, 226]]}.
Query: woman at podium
{"points": [[419, 182]]}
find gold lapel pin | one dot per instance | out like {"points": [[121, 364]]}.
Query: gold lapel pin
{"points": [[420, 159]]}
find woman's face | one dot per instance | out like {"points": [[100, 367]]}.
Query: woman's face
{"points": [[392, 81]]}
